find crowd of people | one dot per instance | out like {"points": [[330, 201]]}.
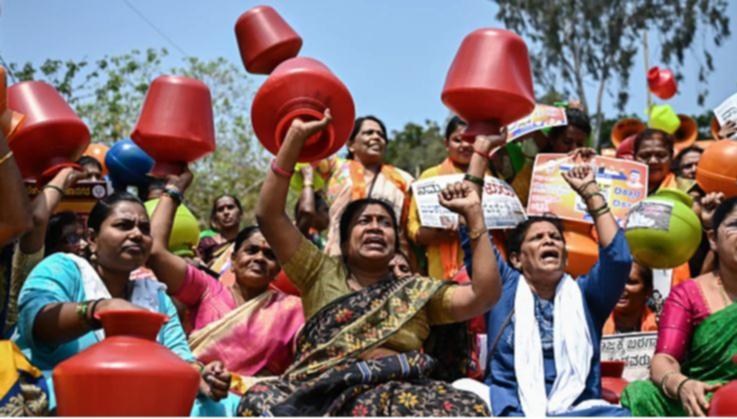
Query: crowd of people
{"points": [[347, 305]]}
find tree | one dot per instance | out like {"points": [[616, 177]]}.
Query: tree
{"points": [[107, 94], [416, 147], [575, 44]]}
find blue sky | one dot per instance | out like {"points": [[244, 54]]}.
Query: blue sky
{"points": [[393, 55]]}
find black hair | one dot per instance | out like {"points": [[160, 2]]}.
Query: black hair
{"points": [[85, 160], [647, 275], [652, 133], [357, 128], [55, 230], [690, 149], [356, 207], [517, 235], [244, 235], [453, 125], [102, 208], [723, 210], [319, 202], [576, 118], [213, 209]]}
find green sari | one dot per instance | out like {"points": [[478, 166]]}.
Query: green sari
{"points": [[713, 344]]}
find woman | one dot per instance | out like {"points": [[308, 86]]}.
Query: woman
{"points": [[631, 314], [697, 336], [225, 317], [15, 214], [63, 293], [225, 219], [654, 148], [363, 175], [686, 161], [359, 352], [545, 332]]}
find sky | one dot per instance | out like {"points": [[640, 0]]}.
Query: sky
{"points": [[392, 55]]}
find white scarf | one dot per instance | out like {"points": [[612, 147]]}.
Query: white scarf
{"points": [[572, 345]]}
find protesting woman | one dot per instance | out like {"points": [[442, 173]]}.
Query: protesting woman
{"points": [[359, 353], [225, 218]]}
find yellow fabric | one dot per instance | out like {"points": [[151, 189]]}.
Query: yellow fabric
{"points": [[22, 266], [521, 182], [322, 279], [12, 360]]}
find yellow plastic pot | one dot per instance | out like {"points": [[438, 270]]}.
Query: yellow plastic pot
{"points": [[185, 233], [663, 117]]}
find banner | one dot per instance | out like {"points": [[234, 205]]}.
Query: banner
{"points": [[502, 208], [543, 116], [635, 349], [623, 183], [79, 198], [727, 110]]}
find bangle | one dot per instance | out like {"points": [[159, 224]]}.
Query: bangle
{"points": [[81, 311], [7, 156], [595, 211], [474, 179], [663, 381], [484, 155], [475, 234], [54, 187], [174, 194], [583, 187], [279, 171], [91, 320], [680, 386]]}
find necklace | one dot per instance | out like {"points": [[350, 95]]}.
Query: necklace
{"points": [[725, 297]]}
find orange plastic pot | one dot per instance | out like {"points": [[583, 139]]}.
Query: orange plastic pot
{"points": [[661, 82], [715, 127], [127, 374], [626, 149], [489, 83], [265, 39], [686, 134], [717, 171], [98, 151], [9, 121], [176, 124], [625, 128], [582, 249], [302, 88], [52, 135]]}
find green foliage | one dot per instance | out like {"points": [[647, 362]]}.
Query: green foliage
{"points": [[107, 94], [416, 147]]}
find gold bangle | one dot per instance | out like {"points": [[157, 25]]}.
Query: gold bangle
{"points": [[7, 156], [475, 234]]}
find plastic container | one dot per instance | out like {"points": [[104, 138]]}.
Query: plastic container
{"points": [[717, 171], [715, 127], [52, 136], [661, 82], [662, 231], [176, 124], [185, 233], [582, 249], [127, 374], [128, 164], [626, 149], [489, 83], [98, 151], [724, 402], [302, 88], [9, 121], [265, 39], [663, 117], [625, 128], [686, 134]]}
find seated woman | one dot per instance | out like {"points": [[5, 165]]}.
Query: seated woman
{"points": [[545, 332], [359, 353], [697, 336], [247, 326], [631, 314], [63, 293]]}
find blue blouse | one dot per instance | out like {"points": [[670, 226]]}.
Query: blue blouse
{"points": [[601, 289]]}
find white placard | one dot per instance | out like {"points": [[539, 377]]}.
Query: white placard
{"points": [[635, 349], [727, 110]]}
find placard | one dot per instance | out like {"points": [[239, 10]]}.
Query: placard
{"points": [[623, 183], [635, 349], [502, 208], [727, 110], [79, 198], [543, 116]]}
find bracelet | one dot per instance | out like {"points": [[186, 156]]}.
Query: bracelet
{"points": [[583, 187], [7, 156], [596, 211], [680, 386], [81, 310], [54, 187], [475, 234], [279, 171], [474, 179], [484, 155], [663, 381], [601, 212], [174, 194], [91, 320]]}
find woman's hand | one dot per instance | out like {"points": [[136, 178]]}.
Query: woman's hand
{"points": [[115, 304], [307, 175], [215, 381], [728, 130], [581, 179], [461, 199], [583, 153], [485, 144], [305, 130], [181, 181], [693, 397], [709, 204]]}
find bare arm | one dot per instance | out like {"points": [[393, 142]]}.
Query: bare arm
{"points": [[665, 372], [272, 218], [306, 200], [15, 213], [582, 180], [428, 236]]}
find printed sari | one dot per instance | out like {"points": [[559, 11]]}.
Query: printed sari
{"points": [[713, 344], [328, 376]]}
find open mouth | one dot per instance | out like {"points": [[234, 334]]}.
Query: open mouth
{"points": [[549, 256], [375, 242]]}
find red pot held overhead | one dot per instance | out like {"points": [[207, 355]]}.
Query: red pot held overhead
{"points": [[9, 121], [265, 39], [127, 374], [661, 82], [176, 124], [302, 88], [52, 135], [489, 84]]}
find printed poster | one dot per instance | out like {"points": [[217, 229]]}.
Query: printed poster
{"points": [[623, 183], [79, 198], [635, 349], [502, 208], [543, 116], [727, 110]]}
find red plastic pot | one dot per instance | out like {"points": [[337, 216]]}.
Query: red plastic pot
{"points": [[302, 88], [661, 82], [265, 40], [626, 149], [612, 388], [176, 124], [52, 135], [489, 84], [9, 121], [127, 374], [717, 171]]}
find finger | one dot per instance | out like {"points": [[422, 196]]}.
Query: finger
{"points": [[695, 407], [701, 399]]}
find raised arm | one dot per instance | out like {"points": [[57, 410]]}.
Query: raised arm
{"points": [[271, 215], [168, 267], [306, 200], [581, 179], [15, 213]]}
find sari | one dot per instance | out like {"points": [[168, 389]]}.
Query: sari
{"points": [[23, 390], [713, 344], [329, 378]]}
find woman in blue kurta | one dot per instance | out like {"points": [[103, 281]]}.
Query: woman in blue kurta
{"points": [[545, 331]]}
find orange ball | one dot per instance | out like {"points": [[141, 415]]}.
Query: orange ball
{"points": [[98, 151]]}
